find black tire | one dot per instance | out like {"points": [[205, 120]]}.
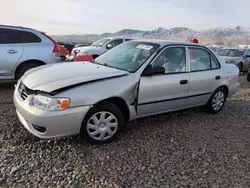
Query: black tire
{"points": [[107, 107], [209, 106], [25, 67], [240, 66], [248, 77]]}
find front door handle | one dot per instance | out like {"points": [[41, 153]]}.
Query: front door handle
{"points": [[12, 51], [182, 82], [217, 77]]}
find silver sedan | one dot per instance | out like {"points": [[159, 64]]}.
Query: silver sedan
{"points": [[135, 79]]}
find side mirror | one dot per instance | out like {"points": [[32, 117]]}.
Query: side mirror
{"points": [[109, 46], [153, 71], [244, 56]]}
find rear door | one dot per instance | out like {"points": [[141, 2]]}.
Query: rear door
{"points": [[205, 75], [246, 59], [10, 51]]}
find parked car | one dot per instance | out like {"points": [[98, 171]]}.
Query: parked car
{"points": [[64, 52], [237, 56], [67, 45], [98, 47], [136, 79], [22, 49], [248, 74]]}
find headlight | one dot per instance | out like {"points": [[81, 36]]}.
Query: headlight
{"points": [[49, 103]]}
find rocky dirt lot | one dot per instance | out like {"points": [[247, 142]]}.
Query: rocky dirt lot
{"points": [[184, 149]]}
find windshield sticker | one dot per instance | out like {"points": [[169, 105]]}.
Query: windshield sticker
{"points": [[144, 47]]}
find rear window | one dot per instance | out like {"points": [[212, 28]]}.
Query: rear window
{"points": [[10, 36]]}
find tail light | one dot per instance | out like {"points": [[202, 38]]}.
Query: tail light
{"points": [[56, 46]]}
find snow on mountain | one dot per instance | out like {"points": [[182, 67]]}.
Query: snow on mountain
{"points": [[182, 33]]}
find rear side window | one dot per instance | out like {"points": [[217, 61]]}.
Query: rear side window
{"points": [[9, 36], [201, 60], [128, 39]]}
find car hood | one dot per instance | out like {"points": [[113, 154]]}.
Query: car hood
{"points": [[49, 78]]}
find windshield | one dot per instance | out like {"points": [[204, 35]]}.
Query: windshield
{"points": [[231, 52], [100, 42], [129, 56]]}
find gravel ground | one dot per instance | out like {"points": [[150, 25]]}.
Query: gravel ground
{"points": [[184, 149]]}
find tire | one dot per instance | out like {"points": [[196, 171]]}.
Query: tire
{"points": [[25, 67], [100, 130], [220, 94], [240, 66], [248, 77]]}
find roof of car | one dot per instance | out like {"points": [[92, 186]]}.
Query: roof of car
{"points": [[118, 38], [234, 48], [16, 27], [167, 42]]}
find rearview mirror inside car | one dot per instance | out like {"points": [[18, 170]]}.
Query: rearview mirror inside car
{"points": [[153, 71], [109, 46]]}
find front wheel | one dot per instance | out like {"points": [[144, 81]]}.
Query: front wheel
{"points": [[103, 124], [216, 101]]}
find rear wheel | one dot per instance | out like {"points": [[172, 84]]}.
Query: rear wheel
{"points": [[102, 124], [240, 66], [248, 77], [25, 67], [63, 58], [216, 101]]}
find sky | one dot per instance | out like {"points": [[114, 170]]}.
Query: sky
{"points": [[99, 16]]}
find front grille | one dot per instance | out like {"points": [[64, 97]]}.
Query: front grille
{"points": [[39, 128], [24, 91]]}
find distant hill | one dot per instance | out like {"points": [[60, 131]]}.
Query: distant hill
{"points": [[177, 33]]}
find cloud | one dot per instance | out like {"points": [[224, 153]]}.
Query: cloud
{"points": [[97, 16]]}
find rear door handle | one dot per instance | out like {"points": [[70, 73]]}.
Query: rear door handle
{"points": [[12, 52], [217, 77], [182, 82]]}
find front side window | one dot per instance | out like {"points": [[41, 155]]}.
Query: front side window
{"points": [[173, 59], [100, 43], [128, 56], [116, 42], [201, 60]]}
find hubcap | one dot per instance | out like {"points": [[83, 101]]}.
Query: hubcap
{"points": [[218, 100], [102, 125]]}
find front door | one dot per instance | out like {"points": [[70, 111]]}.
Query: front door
{"points": [[166, 92], [205, 76], [9, 56]]}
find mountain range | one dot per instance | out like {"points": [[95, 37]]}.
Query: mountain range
{"points": [[228, 33]]}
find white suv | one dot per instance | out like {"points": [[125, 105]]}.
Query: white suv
{"points": [[24, 48], [98, 47]]}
